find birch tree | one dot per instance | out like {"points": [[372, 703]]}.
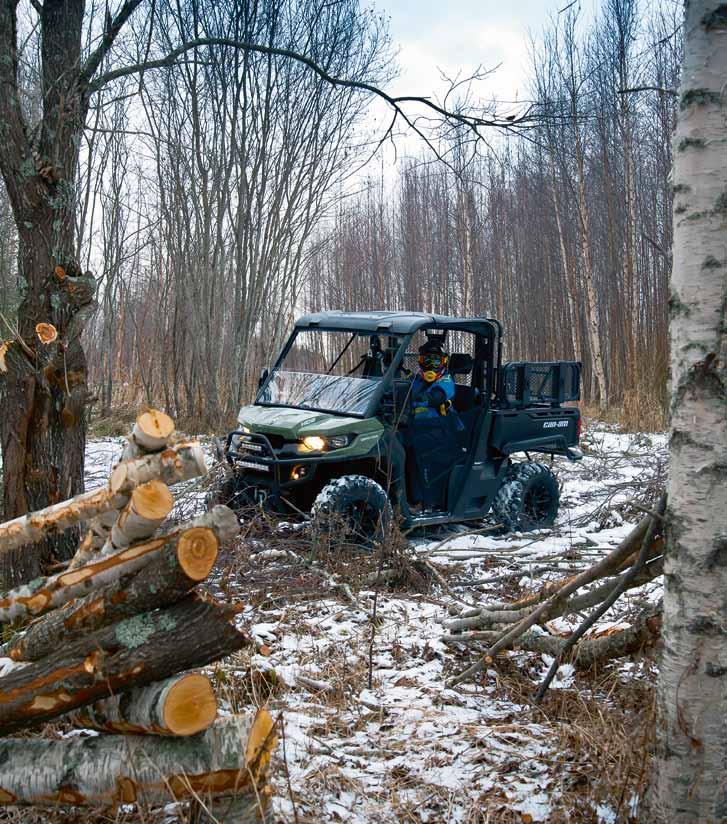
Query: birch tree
{"points": [[692, 749]]}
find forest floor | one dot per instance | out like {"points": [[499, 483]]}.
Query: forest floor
{"points": [[371, 732]]}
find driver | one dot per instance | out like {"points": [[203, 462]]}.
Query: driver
{"points": [[433, 387]]}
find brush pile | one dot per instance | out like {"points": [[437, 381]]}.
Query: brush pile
{"points": [[110, 644]]}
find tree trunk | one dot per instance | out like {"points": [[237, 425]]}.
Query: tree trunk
{"points": [[43, 440], [229, 758], [182, 705], [692, 747], [163, 581], [132, 653]]}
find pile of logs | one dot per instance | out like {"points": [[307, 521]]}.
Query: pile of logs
{"points": [[523, 624], [109, 643]]}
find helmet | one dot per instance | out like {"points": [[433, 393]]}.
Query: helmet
{"points": [[432, 358]]}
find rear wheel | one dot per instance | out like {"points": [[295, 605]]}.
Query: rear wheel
{"points": [[528, 498], [354, 505]]}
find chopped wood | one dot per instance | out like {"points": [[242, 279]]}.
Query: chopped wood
{"points": [[181, 705], [152, 430], [135, 652], [178, 463], [231, 757], [165, 579], [43, 594], [46, 332], [146, 510]]}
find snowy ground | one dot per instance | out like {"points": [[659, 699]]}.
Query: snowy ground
{"points": [[406, 747]]}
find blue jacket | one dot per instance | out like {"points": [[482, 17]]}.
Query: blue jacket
{"points": [[429, 398]]}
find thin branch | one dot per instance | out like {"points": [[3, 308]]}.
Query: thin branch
{"points": [[660, 89], [473, 122], [112, 29]]}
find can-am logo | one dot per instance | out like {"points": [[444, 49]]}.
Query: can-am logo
{"points": [[554, 424]]}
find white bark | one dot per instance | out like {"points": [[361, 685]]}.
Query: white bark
{"points": [[44, 594], [226, 759], [692, 751], [181, 705], [148, 507], [178, 463]]}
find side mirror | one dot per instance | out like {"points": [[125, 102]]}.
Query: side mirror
{"points": [[263, 377]]}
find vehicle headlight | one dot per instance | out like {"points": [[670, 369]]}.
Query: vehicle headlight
{"points": [[317, 443], [314, 443]]}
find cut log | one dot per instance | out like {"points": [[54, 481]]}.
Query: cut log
{"points": [[174, 464], [182, 705], [165, 580], [44, 594], [230, 757], [178, 463], [148, 506], [152, 430], [135, 652]]}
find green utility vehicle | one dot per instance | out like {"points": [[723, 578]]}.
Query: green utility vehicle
{"points": [[331, 431]]}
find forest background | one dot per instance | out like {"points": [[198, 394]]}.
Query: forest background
{"points": [[223, 197]]}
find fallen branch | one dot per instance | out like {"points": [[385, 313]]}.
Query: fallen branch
{"points": [[553, 605], [587, 652]]}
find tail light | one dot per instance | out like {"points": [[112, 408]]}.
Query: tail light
{"points": [[578, 428]]}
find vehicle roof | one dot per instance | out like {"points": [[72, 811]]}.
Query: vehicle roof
{"points": [[395, 323]]}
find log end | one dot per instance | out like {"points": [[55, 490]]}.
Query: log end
{"points": [[152, 500], [153, 429], [197, 552], [260, 743], [190, 706]]}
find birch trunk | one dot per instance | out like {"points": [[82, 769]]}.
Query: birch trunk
{"points": [[178, 568], [44, 594], [179, 463], [132, 653], [230, 758], [182, 705], [692, 747]]}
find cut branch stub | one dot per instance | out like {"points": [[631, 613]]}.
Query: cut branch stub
{"points": [[46, 332], [182, 705], [4, 347]]}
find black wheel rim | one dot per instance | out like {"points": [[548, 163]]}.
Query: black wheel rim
{"points": [[537, 502]]}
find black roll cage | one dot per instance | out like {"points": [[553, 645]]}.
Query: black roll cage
{"points": [[488, 347]]}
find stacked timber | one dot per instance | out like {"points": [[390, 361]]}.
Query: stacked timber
{"points": [[111, 644]]}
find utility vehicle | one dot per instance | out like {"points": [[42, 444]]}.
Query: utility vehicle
{"points": [[331, 431]]}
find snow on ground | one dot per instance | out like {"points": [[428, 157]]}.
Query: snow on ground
{"points": [[371, 730]]}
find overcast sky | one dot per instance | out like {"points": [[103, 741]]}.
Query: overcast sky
{"points": [[459, 35]]}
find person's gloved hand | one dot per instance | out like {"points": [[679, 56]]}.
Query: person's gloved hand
{"points": [[437, 396]]}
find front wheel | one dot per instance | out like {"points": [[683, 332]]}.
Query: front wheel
{"points": [[356, 505], [528, 498]]}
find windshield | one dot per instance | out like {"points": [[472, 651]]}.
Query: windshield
{"points": [[330, 371]]}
